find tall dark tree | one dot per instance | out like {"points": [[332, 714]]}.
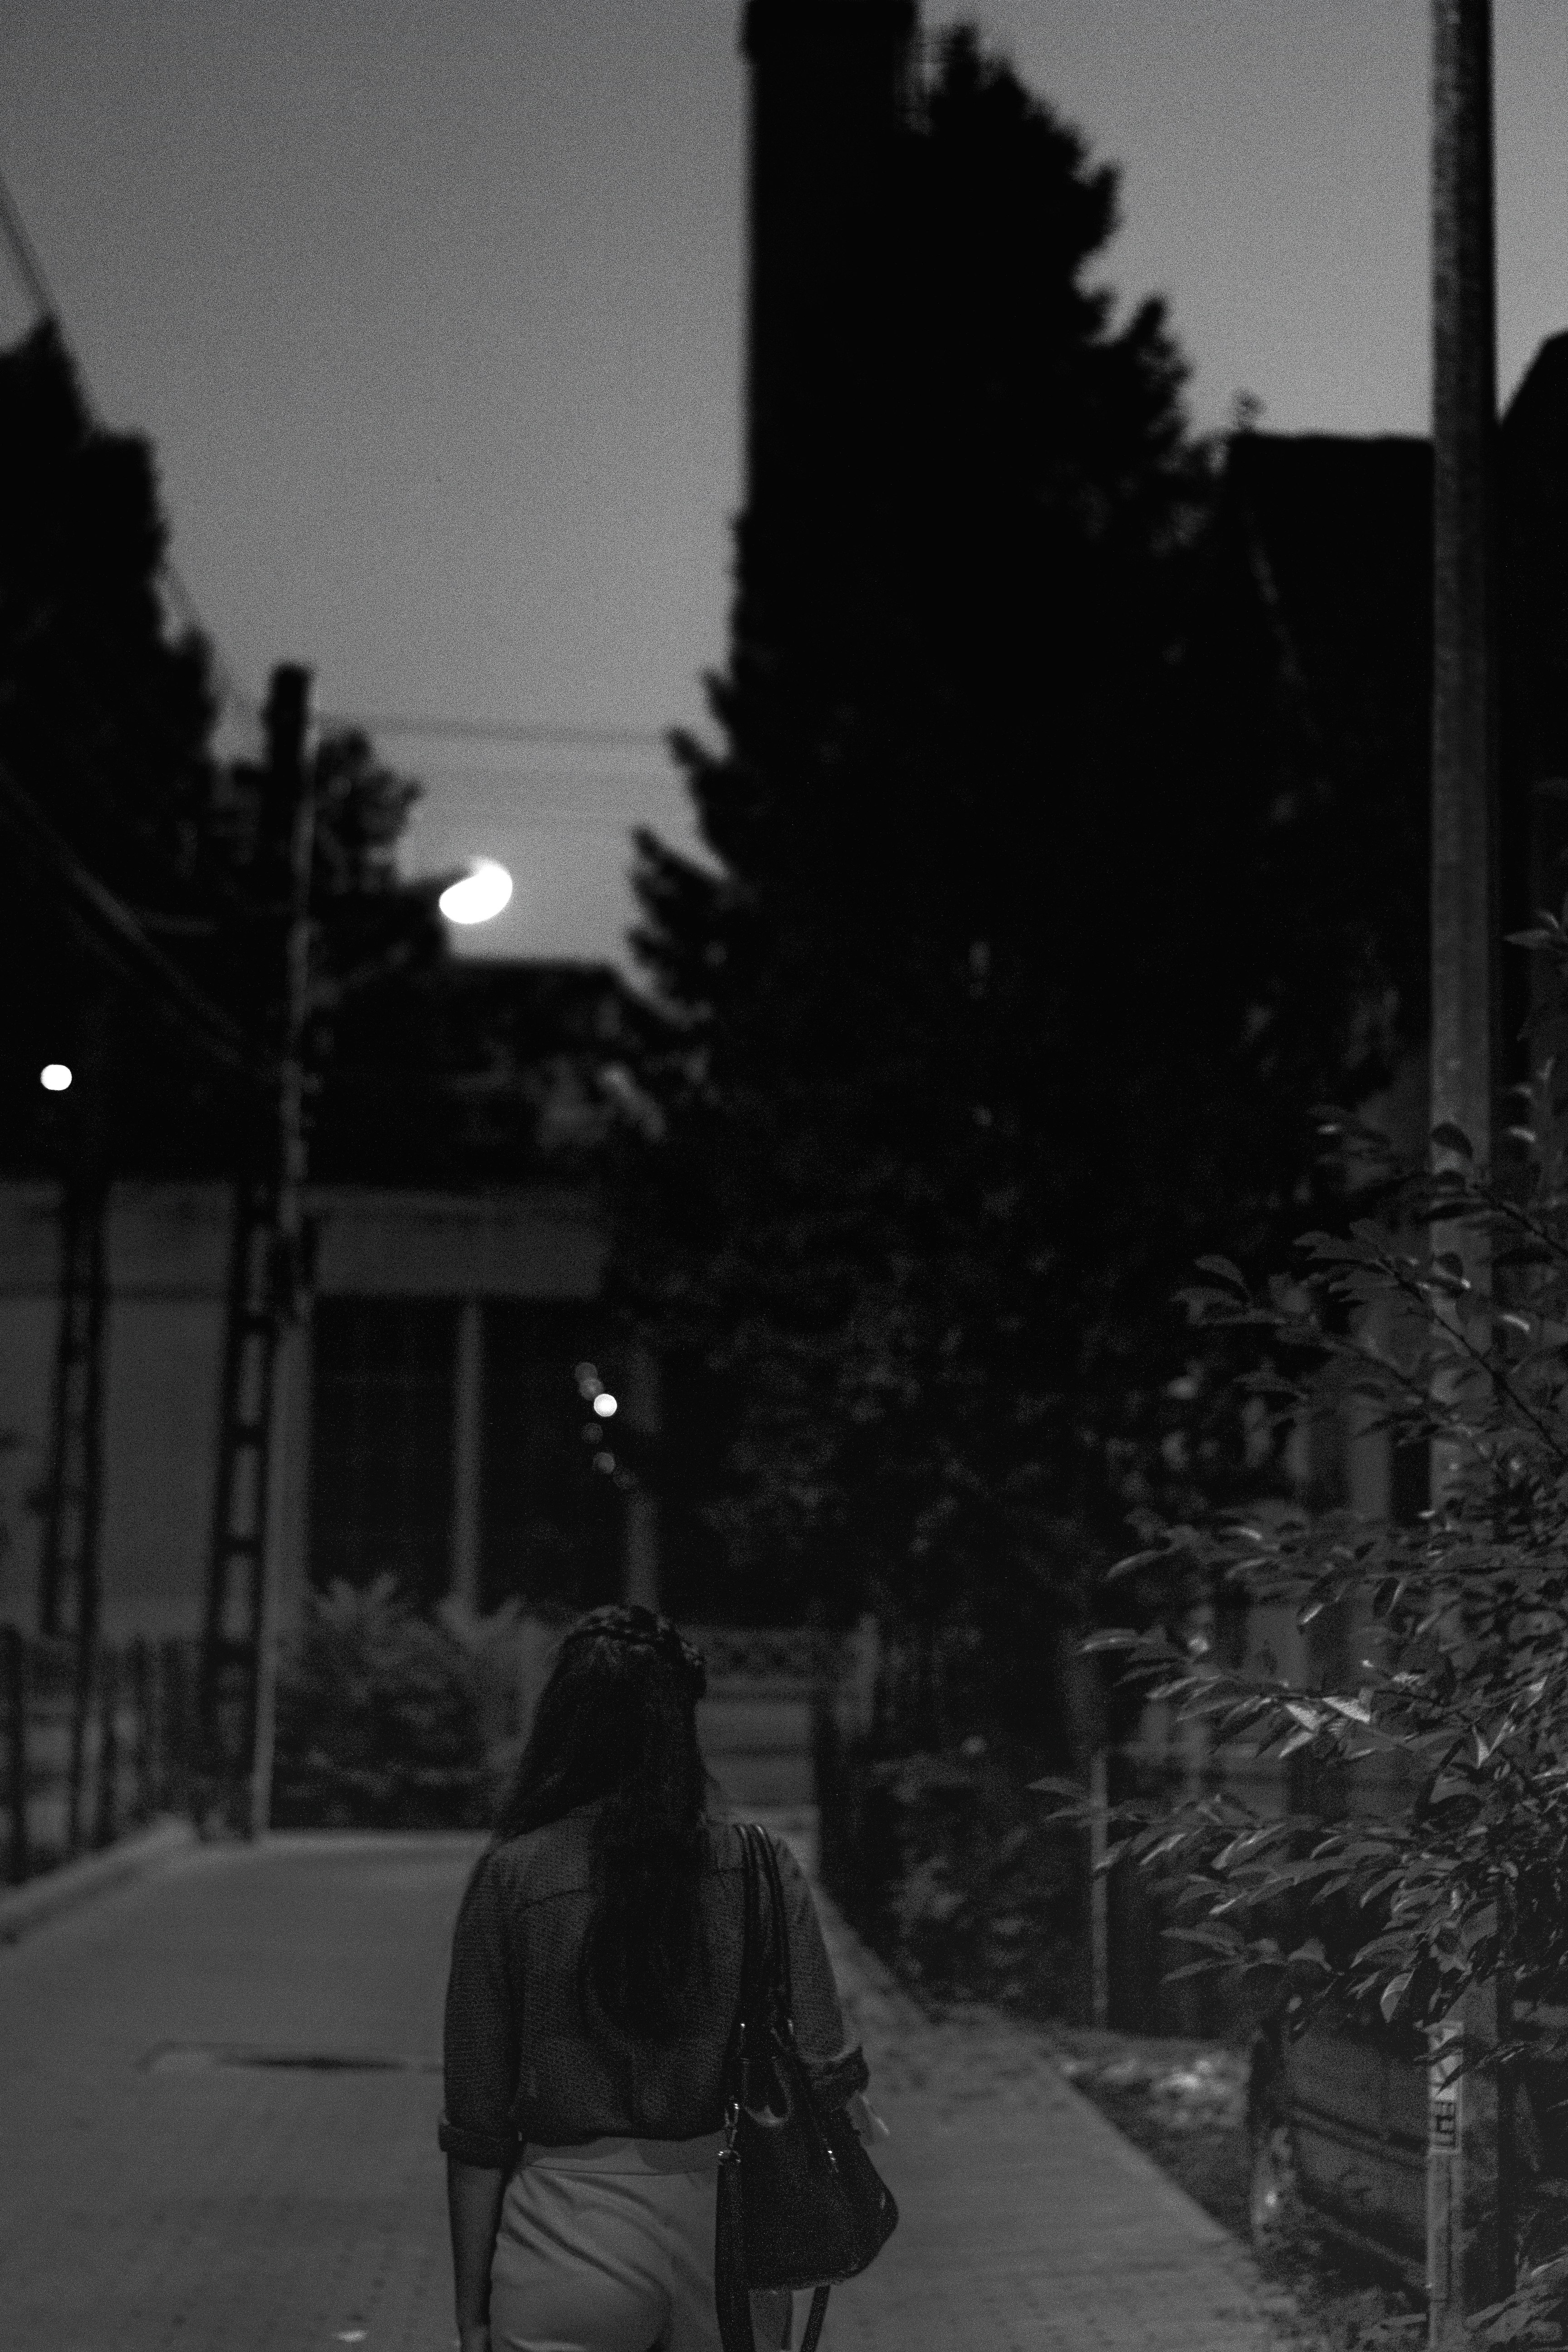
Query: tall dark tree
{"points": [[916, 1006], [104, 718], [106, 730], [987, 1017]]}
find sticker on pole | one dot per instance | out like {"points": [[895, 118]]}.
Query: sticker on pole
{"points": [[1442, 2088]]}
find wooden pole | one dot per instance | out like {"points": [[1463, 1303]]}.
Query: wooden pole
{"points": [[14, 1651], [174, 1726], [1468, 2232], [106, 1813], [292, 774], [1098, 1891], [141, 1667]]}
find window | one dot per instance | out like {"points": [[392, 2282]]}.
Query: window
{"points": [[381, 1452]]}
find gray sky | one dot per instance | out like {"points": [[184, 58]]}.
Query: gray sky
{"points": [[434, 315]]}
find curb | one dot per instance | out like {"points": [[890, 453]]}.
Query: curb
{"points": [[25, 1907], [327, 1841]]}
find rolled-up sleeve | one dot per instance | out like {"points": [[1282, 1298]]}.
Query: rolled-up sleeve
{"points": [[483, 2028]]}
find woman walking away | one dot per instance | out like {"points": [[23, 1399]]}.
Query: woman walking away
{"points": [[595, 1973]]}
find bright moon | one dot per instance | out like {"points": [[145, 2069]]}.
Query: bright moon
{"points": [[54, 1078], [480, 896]]}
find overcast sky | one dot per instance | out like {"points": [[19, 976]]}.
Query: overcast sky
{"points": [[434, 315]]}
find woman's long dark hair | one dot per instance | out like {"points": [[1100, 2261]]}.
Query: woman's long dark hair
{"points": [[616, 1720]]}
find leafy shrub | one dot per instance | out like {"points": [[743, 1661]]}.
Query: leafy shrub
{"points": [[1422, 1861], [942, 1862], [1434, 1855], [379, 1721]]}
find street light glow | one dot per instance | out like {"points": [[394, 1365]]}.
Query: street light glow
{"points": [[54, 1078], [479, 896]]}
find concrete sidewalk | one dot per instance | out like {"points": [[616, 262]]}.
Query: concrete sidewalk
{"points": [[1028, 2223], [221, 2087]]}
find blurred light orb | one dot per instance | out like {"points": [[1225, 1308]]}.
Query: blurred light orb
{"points": [[54, 1078], [604, 1404], [479, 896]]}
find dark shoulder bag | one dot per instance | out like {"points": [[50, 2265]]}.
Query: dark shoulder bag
{"points": [[801, 2204]]}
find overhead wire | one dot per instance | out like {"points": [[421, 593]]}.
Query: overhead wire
{"points": [[29, 268], [484, 730], [116, 934], [116, 937]]}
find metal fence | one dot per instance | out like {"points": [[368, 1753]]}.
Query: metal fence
{"points": [[88, 1757]]}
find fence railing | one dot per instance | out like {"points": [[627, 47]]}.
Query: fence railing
{"points": [[937, 1848], [795, 1654], [86, 1759]]}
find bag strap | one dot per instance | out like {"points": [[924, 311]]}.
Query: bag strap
{"points": [[749, 1989], [814, 2322], [753, 1842], [782, 1974], [760, 1850]]}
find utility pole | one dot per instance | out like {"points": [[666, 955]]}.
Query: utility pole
{"points": [[293, 779], [261, 1372], [1099, 1890], [1468, 2234], [68, 1595], [1465, 704]]}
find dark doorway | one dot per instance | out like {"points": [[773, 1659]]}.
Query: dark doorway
{"points": [[381, 1454], [551, 1531]]}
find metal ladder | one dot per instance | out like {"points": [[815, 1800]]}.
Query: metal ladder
{"points": [[267, 1274], [67, 1600], [237, 1551], [68, 1583]]}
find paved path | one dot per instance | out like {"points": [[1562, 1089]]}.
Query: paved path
{"points": [[160, 2192], [1028, 2224]]}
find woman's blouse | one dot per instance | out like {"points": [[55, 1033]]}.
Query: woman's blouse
{"points": [[526, 2059]]}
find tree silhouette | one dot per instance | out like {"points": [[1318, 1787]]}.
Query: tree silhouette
{"points": [[106, 728], [938, 799], [968, 1056], [104, 718]]}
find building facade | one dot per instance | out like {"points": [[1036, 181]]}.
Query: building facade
{"points": [[436, 1432]]}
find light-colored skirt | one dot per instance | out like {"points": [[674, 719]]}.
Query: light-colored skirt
{"points": [[608, 2247]]}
